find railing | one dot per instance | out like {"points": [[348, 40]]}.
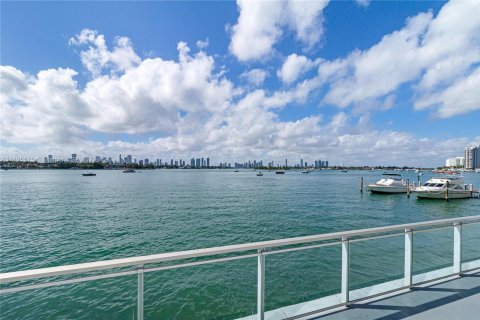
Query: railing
{"points": [[260, 250]]}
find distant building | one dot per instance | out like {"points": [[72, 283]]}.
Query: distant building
{"points": [[455, 162], [198, 164], [472, 157], [192, 163], [208, 162]]}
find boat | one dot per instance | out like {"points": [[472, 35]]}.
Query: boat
{"points": [[344, 170], [129, 171], [280, 172], [89, 174], [390, 183], [306, 171], [236, 170], [445, 187], [259, 174]]}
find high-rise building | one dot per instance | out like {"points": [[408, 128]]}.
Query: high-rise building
{"points": [[74, 157], [301, 163], [208, 162], [129, 159], [286, 163], [472, 157], [120, 160], [198, 164], [192, 163]]}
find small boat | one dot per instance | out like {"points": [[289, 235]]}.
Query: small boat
{"points": [[344, 170], [89, 174], [390, 183], [129, 171], [280, 172], [446, 187], [259, 174], [236, 170], [305, 171]]}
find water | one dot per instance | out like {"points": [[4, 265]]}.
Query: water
{"points": [[56, 217]]}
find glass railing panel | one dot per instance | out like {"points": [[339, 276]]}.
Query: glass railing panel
{"points": [[471, 246], [98, 299], [297, 277], [224, 290], [432, 254], [376, 265]]}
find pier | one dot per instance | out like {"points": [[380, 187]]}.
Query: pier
{"points": [[454, 287]]}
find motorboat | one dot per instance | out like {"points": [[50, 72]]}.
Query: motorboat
{"points": [[390, 183], [236, 170], [129, 171], [259, 174], [306, 171], [89, 174], [280, 172], [445, 187]]}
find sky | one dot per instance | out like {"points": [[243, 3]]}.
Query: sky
{"points": [[352, 82]]}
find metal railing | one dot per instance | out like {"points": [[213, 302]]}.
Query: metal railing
{"points": [[242, 251]]}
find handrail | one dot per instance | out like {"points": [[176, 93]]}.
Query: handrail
{"points": [[180, 255]]}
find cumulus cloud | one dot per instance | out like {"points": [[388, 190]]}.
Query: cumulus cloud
{"points": [[261, 24], [97, 57], [438, 52], [293, 67], [255, 77]]}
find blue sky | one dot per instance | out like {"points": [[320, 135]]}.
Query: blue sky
{"points": [[353, 82]]}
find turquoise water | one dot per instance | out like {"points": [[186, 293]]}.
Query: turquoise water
{"points": [[56, 217]]}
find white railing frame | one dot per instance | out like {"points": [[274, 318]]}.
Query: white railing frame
{"points": [[263, 249]]}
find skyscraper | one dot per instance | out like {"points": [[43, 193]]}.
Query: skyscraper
{"points": [[208, 162], [472, 157]]}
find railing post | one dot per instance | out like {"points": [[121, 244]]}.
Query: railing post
{"points": [[457, 248], [345, 270], [408, 257], [140, 293], [261, 285]]}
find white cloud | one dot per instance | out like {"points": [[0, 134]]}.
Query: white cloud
{"points": [[461, 97], [261, 24], [255, 77], [293, 67], [202, 44], [438, 52], [363, 3], [97, 57]]}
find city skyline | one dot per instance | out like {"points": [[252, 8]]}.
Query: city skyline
{"points": [[358, 83]]}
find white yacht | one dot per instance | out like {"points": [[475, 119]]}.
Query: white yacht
{"points": [[447, 187], [390, 183]]}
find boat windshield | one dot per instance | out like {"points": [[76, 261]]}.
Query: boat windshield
{"points": [[439, 185]]}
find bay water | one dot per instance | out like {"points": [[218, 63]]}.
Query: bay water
{"points": [[57, 217]]}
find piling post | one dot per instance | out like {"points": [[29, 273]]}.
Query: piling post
{"points": [[408, 188], [446, 192], [361, 184]]}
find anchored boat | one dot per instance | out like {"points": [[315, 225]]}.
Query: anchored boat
{"points": [[448, 187], [390, 183], [89, 174]]}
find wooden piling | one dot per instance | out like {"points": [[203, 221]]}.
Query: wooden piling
{"points": [[408, 188], [361, 184], [446, 192]]}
